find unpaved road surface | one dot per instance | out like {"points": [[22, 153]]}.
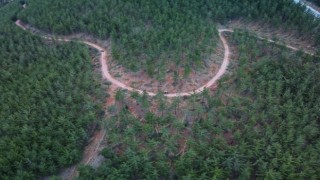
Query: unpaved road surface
{"points": [[106, 74], [92, 150]]}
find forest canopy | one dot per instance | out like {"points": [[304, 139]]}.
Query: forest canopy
{"points": [[261, 121], [47, 109], [151, 35]]}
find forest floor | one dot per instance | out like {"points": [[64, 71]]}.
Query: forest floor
{"points": [[141, 80]]}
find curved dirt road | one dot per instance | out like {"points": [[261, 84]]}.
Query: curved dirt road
{"points": [[107, 75], [91, 150]]}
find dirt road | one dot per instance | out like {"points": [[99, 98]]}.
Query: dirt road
{"points": [[107, 75], [92, 150]]}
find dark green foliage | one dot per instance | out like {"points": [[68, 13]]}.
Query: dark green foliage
{"points": [[263, 123], [151, 35], [46, 102], [145, 34], [4, 2]]}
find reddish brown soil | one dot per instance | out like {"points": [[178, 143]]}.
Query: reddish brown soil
{"points": [[141, 80]]}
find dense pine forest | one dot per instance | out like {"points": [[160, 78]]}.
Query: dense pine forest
{"points": [[4, 2], [151, 35], [261, 121], [47, 107]]}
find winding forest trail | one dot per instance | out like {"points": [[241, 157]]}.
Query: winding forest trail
{"points": [[106, 74], [91, 151]]}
